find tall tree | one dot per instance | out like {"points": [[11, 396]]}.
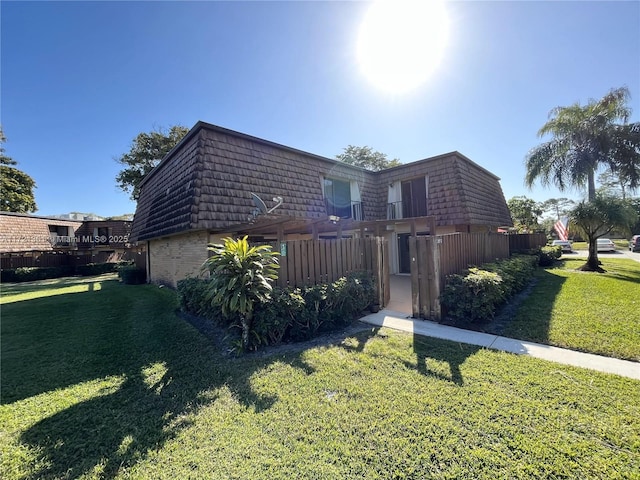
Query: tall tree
{"points": [[596, 218], [16, 187], [147, 149], [585, 138], [558, 207], [366, 157], [524, 213]]}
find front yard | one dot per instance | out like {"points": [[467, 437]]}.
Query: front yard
{"points": [[596, 313], [103, 380]]}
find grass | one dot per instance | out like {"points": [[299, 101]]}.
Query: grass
{"points": [[596, 313], [108, 382]]}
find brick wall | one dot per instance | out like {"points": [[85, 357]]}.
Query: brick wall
{"points": [[174, 258]]}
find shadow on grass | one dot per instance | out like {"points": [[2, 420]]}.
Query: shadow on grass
{"points": [[430, 350], [168, 372], [530, 318]]}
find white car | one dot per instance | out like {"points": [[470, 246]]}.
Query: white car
{"points": [[605, 245], [564, 244]]}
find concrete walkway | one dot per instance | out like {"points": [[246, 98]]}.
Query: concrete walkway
{"points": [[399, 321]]}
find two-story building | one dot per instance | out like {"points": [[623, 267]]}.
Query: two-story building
{"points": [[32, 240], [206, 188]]}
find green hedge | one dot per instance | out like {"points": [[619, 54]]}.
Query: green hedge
{"points": [[291, 314], [29, 274], [548, 255], [132, 275], [91, 269], [475, 296]]}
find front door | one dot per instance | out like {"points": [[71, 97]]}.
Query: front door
{"points": [[404, 259]]}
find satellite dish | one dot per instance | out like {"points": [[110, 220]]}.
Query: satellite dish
{"points": [[260, 205]]}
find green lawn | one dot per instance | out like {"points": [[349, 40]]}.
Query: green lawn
{"points": [[103, 380], [592, 312]]}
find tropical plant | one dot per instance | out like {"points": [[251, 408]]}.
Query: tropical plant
{"points": [[240, 276], [596, 218], [585, 138]]}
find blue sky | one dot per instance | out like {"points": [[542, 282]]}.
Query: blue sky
{"points": [[80, 80]]}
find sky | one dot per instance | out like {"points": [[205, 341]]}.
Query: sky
{"points": [[79, 81]]}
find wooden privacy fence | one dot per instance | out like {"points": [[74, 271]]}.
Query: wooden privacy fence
{"points": [[435, 257], [521, 242], [312, 262]]}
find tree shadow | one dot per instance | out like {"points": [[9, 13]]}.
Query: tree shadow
{"points": [[155, 371], [430, 351]]}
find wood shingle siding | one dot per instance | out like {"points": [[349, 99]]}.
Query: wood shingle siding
{"points": [[205, 182]]}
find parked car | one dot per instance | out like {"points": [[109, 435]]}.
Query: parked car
{"points": [[634, 243], [605, 245], [564, 244]]}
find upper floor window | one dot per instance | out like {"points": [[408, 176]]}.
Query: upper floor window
{"points": [[342, 198], [414, 198], [59, 235], [408, 198]]}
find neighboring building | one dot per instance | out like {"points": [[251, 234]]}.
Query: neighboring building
{"points": [[202, 192], [31, 240]]}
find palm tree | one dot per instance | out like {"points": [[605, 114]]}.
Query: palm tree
{"points": [[240, 276], [598, 217], [585, 138]]}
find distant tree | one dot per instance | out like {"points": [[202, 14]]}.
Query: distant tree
{"points": [[524, 213], [366, 157], [16, 187], [585, 138], [598, 217], [558, 207], [613, 184], [634, 203], [147, 149]]}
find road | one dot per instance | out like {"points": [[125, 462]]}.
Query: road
{"points": [[618, 254]]}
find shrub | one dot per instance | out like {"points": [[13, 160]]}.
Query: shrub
{"points": [[548, 255], [472, 297], [192, 297], [272, 319], [475, 296], [95, 269], [132, 275], [29, 274], [288, 314]]}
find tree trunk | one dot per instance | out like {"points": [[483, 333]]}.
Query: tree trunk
{"points": [[592, 187], [593, 264], [246, 327]]}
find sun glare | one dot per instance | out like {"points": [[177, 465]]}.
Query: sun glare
{"points": [[400, 43]]}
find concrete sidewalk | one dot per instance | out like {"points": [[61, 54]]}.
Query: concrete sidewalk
{"points": [[399, 321]]}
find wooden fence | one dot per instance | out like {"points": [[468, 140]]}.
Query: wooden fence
{"points": [[312, 262], [526, 241], [435, 257]]}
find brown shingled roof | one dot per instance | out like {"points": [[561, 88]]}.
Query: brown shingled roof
{"points": [[22, 232], [206, 180]]}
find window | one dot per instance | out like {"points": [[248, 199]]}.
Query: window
{"points": [[337, 194], [59, 235], [414, 197], [101, 235]]}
